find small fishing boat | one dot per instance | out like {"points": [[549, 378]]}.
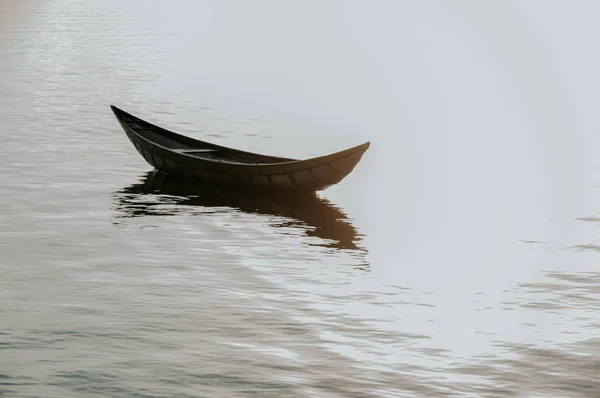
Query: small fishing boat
{"points": [[177, 154]]}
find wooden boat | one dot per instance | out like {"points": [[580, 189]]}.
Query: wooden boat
{"points": [[159, 194], [173, 153]]}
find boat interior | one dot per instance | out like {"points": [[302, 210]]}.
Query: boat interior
{"points": [[189, 146]]}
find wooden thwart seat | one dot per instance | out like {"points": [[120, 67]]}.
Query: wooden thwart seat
{"points": [[192, 151]]}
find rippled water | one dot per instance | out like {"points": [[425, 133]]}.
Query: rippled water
{"points": [[460, 258]]}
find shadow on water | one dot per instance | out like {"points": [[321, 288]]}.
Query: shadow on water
{"points": [[158, 194]]}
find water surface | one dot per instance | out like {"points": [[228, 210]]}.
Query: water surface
{"points": [[460, 258]]}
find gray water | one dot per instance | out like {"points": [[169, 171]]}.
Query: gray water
{"points": [[460, 258]]}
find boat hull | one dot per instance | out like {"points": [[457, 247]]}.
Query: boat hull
{"points": [[159, 147]]}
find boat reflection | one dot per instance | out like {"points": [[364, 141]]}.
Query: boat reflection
{"points": [[158, 194]]}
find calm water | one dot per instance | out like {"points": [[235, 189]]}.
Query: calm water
{"points": [[460, 258]]}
